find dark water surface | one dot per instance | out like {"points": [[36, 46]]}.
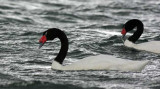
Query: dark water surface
{"points": [[92, 26]]}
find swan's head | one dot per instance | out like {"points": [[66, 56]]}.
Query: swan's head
{"points": [[130, 25], [49, 34]]}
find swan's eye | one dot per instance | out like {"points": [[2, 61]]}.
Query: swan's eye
{"points": [[45, 33], [123, 26]]}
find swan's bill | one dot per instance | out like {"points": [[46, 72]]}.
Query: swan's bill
{"points": [[123, 38], [123, 32], [40, 45], [42, 41]]}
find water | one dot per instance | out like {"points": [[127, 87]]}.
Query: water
{"points": [[93, 27]]}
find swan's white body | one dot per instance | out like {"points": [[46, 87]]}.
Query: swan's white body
{"points": [[152, 46], [103, 62]]}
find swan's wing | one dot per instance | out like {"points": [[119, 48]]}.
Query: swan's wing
{"points": [[105, 62], [152, 46]]}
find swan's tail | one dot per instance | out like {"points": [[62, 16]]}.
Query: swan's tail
{"points": [[143, 64], [140, 65]]}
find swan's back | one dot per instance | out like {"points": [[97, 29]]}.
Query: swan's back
{"points": [[103, 62], [152, 46]]}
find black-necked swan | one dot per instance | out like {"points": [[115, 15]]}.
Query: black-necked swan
{"points": [[152, 46], [100, 62]]}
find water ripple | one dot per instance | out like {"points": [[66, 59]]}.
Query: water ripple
{"points": [[92, 28]]}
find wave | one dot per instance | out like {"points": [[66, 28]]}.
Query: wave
{"points": [[19, 20], [42, 85]]}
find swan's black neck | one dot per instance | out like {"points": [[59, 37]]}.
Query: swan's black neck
{"points": [[130, 25], [64, 46]]}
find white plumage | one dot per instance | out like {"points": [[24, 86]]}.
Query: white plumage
{"points": [[103, 62], [152, 46]]}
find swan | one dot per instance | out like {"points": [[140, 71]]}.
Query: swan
{"points": [[100, 62], [152, 46]]}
